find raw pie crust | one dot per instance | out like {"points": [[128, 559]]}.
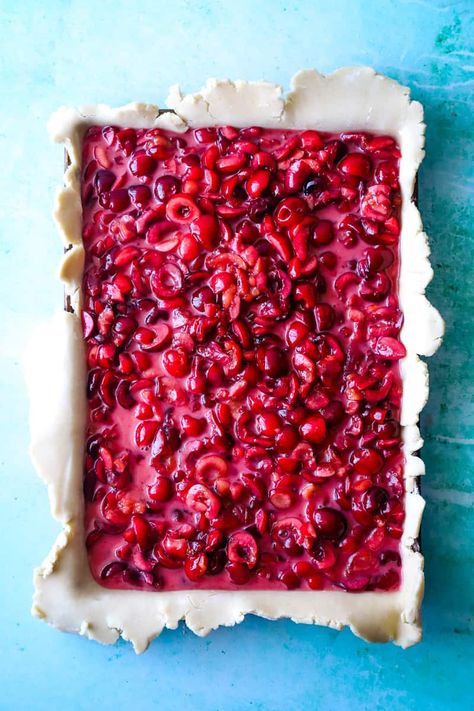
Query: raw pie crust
{"points": [[66, 595]]}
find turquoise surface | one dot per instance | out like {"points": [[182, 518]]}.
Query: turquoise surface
{"points": [[73, 52]]}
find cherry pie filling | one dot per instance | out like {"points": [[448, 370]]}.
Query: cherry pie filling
{"points": [[242, 326]]}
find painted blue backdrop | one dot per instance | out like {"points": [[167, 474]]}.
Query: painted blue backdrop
{"points": [[70, 51]]}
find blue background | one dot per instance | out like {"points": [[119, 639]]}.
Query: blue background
{"points": [[113, 51]]}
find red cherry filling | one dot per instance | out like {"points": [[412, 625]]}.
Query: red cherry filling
{"points": [[242, 331]]}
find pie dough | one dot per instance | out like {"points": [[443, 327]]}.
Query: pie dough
{"points": [[66, 595]]}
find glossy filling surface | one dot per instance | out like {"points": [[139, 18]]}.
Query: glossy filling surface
{"points": [[241, 320]]}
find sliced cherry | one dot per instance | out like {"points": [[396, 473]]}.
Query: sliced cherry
{"points": [[242, 548], [201, 499]]}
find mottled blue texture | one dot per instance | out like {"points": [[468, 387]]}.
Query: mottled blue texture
{"points": [[58, 52]]}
